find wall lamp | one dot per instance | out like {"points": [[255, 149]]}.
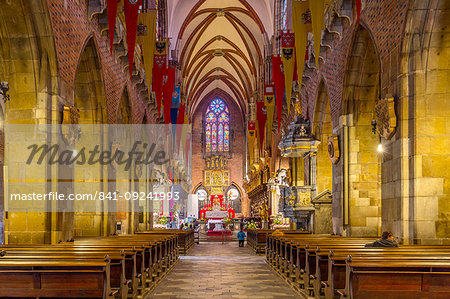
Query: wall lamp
{"points": [[4, 87]]}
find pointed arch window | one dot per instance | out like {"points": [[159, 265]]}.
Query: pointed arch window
{"points": [[217, 127]]}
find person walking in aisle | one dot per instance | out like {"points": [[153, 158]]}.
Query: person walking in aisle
{"points": [[241, 237]]}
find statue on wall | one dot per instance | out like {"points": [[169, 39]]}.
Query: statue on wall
{"points": [[264, 212]]}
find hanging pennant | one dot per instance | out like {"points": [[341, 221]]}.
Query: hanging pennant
{"points": [[269, 102], [168, 88], [317, 8], [146, 36], [175, 106], [131, 18], [261, 116], [278, 79], [180, 122], [111, 5], [174, 112], [301, 23], [251, 132], [287, 57], [159, 67], [186, 127], [358, 11]]}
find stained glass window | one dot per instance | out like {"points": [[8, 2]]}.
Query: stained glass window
{"points": [[217, 127]]}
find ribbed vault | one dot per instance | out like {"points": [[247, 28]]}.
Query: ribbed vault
{"points": [[220, 47]]}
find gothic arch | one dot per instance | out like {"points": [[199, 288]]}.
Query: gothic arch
{"points": [[323, 128], [362, 199], [89, 94]]}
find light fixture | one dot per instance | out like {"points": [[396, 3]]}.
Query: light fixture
{"points": [[380, 146], [4, 87]]}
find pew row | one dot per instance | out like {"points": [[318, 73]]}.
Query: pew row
{"points": [[185, 238], [135, 263], [318, 266]]}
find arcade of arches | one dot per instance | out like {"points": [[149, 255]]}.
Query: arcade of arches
{"points": [[361, 146]]}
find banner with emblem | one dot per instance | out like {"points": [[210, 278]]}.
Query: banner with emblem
{"points": [[146, 35], [288, 59], [159, 67], [301, 23], [261, 117], [278, 80], [269, 103], [317, 8], [131, 19], [111, 6], [251, 132]]}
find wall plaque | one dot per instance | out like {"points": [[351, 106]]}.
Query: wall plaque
{"points": [[333, 149]]}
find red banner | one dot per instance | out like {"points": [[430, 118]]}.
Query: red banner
{"points": [[168, 88], [131, 19], [358, 11], [261, 115], [159, 66], [278, 80], [112, 13]]}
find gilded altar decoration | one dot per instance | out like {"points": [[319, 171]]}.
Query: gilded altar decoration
{"points": [[216, 178], [333, 149], [304, 198], [70, 130], [385, 117], [298, 107]]}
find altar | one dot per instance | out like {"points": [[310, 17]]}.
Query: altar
{"points": [[217, 216]]}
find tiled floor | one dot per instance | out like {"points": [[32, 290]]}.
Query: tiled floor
{"points": [[216, 270]]}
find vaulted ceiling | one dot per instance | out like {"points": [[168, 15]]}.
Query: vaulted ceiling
{"points": [[219, 45]]}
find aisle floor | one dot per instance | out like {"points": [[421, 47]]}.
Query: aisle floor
{"points": [[216, 270]]}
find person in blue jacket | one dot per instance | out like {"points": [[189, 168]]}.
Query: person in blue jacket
{"points": [[241, 237]]}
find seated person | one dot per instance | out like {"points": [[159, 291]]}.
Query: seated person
{"points": [[387, 240]]}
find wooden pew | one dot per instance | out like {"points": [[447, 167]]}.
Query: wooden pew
{"points": [[117, 263], [334, 280], [134, 260], [185, 240], [55, 279], [303, 259], [124, 279], [399, 278]]}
